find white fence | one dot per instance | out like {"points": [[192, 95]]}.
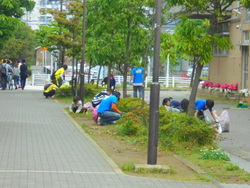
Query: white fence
{"points": [[42, 79], [164, 81]]}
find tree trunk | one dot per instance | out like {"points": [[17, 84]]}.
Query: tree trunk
{"points": [[127, 60], [125, 74], [192, 98], [108, 76], [193, 73], [98, 77]]}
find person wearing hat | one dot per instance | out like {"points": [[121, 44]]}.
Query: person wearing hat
{"points": [[107, 110]]}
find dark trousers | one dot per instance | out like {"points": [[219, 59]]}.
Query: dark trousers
{"points": [[49, 94], [4, 81], [23, 81]]}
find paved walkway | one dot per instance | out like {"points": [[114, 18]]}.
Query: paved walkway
{"points": [[42, 147]]}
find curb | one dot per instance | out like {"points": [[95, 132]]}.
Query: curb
{"points": [[98, 148]]}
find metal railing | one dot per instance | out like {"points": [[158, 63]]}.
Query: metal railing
{"points": [[42, 79]]}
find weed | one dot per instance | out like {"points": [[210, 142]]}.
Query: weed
{"points": [[215, 155], [128, 166], [232, 167]]}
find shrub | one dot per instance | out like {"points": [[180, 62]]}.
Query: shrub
{"points": [[90, 91], [178, 128], [128, 128], [64, 92], [129, 104]]}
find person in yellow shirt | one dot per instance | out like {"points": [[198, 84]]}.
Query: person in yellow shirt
{"points": [[59, 75], [50, 90]]}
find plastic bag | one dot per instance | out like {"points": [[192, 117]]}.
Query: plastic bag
{"points": [[224, 121], [95, 114]]}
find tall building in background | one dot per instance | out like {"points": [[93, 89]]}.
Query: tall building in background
{"points": [[34, 18]]}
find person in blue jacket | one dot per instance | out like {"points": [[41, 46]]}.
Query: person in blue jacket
{"points": [[107, 110], [201, 106], [138, 75], [171, 105]]}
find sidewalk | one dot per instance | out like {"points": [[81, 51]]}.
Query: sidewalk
{"points": [[41, 146]]}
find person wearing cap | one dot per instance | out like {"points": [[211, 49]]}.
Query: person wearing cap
{"points": [[201, 106], [107, 110]]}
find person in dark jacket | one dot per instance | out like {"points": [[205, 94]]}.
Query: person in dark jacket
{"points": [[23, 74]]}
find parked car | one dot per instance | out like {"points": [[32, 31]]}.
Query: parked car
{"points": [[204, 72]]}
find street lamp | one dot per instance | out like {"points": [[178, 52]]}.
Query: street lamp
{"points": [[83, 50], [155, 91]]}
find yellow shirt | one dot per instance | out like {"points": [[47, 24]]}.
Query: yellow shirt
{"points": [[50, 88], [59, 72]]}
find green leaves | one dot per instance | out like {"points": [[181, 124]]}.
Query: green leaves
{"points": [[21, 45], [10, 11]]}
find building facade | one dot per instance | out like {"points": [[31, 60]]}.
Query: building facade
{"points": [[35, 18], [231, 67]]}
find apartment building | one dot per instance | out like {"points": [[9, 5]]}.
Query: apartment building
{"points": [[231, 67], [34, 18]]}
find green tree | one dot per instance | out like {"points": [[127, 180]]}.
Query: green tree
{"points": [[10, 12], [215, 12], [194, 40], [119, 33], [21, 45]]}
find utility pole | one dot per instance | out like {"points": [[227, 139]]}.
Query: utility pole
{"points": [[60, 32], [83, 51], [155, 90]]}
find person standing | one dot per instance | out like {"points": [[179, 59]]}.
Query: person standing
{"points": [[137, 77], [5, 69], [10, 75], [23, 74], [16, 74], [59, 75], [112, 82]]}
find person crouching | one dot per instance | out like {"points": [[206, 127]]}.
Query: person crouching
{"points": [[50, 90], [107, 110]]}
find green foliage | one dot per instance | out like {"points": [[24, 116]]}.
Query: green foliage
{"points": [[215, 155], [63, 92], [135, 120], [129, 104], [246, 3], [178, 128], [128, 166], [20, 46], [89, 91], [128, 128], [10, 12], [232, 167]]}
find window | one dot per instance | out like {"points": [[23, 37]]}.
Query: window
{"points": [[223, 27], [248, 15], [246, 35], [219, 52]]}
